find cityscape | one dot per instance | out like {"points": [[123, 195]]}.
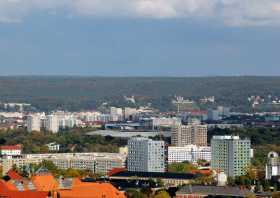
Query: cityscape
{"points": [[139, 99], [180, 153]]}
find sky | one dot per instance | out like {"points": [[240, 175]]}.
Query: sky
{"points": [[140, 37]]}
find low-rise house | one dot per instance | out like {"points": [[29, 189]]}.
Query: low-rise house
{"points": [[53, 146]]}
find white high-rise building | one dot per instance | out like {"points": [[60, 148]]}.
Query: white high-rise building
{"points": [[230, 154], [34, 122], [146, 155], [52, 123], [190, 153], [183, 135]]}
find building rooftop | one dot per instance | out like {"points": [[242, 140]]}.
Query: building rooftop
{"points": [[165, 175], [10, 147], [214, 191], [40, 185]]}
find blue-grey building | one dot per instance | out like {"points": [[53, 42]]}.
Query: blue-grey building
{"points": [[146, 155]]}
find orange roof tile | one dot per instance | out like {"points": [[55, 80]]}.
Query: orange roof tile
{"points": [[44, 182], [91, 190], [10, 147], [13, 174]]}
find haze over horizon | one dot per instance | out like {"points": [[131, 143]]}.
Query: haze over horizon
{"points": [[140, 37]]}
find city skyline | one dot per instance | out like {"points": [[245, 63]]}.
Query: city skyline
{"points": [[139, 38]]}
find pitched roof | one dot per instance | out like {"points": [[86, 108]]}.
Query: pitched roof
{"points": [[44, 182], [89, 190], [7, 189], [10, 147], [13, 174]]}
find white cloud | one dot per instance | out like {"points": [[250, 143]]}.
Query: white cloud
{"points": [[230, 12]]}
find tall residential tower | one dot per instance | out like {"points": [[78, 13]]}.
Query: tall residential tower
{"points": [[183, 135], [230, 154], [146, 155]]}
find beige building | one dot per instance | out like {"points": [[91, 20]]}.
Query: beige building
{"points": [[183, 135], [96, 162]]}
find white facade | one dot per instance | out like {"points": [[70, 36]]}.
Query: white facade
{"points": [[52, 123], [65, 119], [116, 114], [165, 122], [96, 162], [272, 167], [190, 153], [130, 113], [12, 150], [53, 146], [146, 155], [90, 116], [34, 122]]}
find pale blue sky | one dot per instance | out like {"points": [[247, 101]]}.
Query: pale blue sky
{"points": [[139, 37]]}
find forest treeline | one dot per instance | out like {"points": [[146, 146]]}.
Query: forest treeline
{"points": [[76, 93]]}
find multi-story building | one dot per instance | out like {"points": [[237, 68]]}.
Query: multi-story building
{"points": [[10, 150], [190, 153], [130, 113], [183, 135], [230, 154], [272, 167], [52, 123], [146, 155], [116, 114], [95, 162], [165, 122], [34, 122], [65, 119]]}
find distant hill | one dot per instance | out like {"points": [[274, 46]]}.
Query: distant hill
{"points": [[74, 93]]}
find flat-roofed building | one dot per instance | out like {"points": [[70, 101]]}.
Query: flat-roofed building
{"points": [[146, 155], [190, 153], [230, 154], [183, 135]]}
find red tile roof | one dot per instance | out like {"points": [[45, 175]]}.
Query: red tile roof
{"points": [[8, 190], [10, 147], [14, 175], [47, 183]]}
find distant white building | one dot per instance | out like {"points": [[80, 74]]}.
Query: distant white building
{"points": [[89, 116], [34, 122], [96, 162], [65, 119], [272, 167], [165, 122], [190, 153], [10, 150], [52, 123], [130, 113], [116, 114], [53, 146]]}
